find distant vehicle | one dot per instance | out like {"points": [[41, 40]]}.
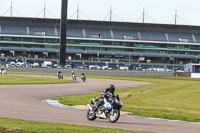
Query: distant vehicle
{"points": [[36, 65], [12, 64], [29, 65], [179, 71], [106, 68], [84, 67], [110, 68], [56, 66], [124, 68], [47, 64], [93, 66], [99, 67], [20, 64], [68, 66], [139, 68], [168, 70], [7, 65]]}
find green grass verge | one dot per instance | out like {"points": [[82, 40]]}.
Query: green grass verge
{"points": [[10, 80], [21, 126], [103, 76], [34, 73], [170, 99]]}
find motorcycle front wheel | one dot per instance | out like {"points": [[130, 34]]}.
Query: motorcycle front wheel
{"points": [[114, 116], [91, 115]]}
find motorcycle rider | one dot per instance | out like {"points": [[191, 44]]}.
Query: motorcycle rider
{"points": [[73, 75], [82, 74], [83, 77], [59, 73], [2, 70], [107, 93]]}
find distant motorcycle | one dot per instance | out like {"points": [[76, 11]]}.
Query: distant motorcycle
{"points": [[109, 110], [83, 78], [60, 76], [3, 72], [74, 77]]}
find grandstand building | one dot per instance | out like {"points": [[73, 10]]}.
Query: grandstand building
{"points": [[38, 38]]}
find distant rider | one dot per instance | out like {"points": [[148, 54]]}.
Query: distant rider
{"points": [[59, 73], [2, 70], [73, 75], [83, 77], [82, 74]]}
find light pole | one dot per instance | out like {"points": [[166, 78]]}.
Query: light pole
{"points": [[63, 32]]}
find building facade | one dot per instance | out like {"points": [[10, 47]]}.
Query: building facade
{"points": [[103, 41]]}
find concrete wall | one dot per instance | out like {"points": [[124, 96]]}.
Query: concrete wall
{"points": [[100, 72]]}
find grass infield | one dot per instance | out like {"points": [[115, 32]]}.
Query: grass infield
{"points": [[11, 80], [168, 98]]}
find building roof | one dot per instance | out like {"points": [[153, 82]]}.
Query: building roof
{"points": [[100, 24]]}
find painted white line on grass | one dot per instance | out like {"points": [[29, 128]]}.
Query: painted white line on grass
{"points": [[56, 103]]}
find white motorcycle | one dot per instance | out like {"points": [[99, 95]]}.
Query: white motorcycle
{"points": [[4, 72], [109, 110], [60, 76], [74, 77]]}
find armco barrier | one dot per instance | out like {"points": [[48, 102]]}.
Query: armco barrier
{"points": [[87, 71]]}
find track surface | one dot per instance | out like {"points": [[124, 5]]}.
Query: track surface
{"points": [[25, 102]]}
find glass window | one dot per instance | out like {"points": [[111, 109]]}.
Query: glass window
{"points": [[51, 40], [6, 38], [28, 39], [39, 40]]}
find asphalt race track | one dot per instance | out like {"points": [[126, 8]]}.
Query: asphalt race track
{"points": [[26, 102]]}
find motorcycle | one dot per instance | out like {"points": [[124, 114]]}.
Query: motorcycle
{"points": [[60, 76], [3, 72], [83, 78], [73, 77], [109, 110]]}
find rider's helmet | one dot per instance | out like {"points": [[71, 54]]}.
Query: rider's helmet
{"points": [[112, 88]]}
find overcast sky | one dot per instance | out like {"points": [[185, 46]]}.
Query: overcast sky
{"points": [[157, 11]]}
